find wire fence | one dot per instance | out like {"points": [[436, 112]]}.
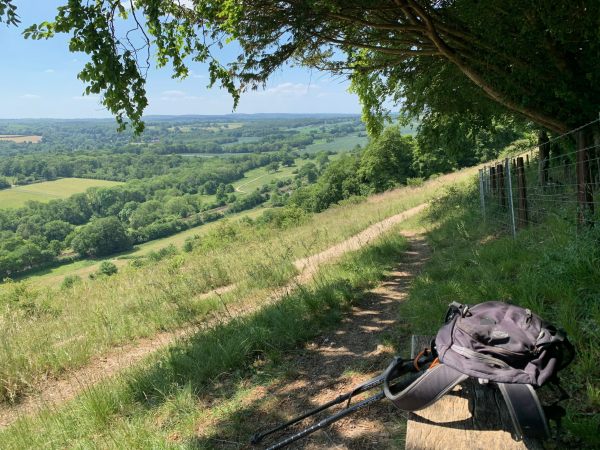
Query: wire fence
{"points": [[559, 177]]}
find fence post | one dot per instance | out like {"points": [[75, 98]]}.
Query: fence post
{"points": [[501, 188], [481, 192], [510, 197], [544, 152], [527, 160], [522, 188], [585, 199], [493, 179]]}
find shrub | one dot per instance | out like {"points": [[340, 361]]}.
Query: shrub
{"points": [[415, 182], [107, 268], [69, 281]]}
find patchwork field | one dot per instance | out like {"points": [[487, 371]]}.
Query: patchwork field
{"points": [[19, 138], [49, 190]]}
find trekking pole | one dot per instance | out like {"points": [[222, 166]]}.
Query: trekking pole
{"points": [[327, 421], [370, 384]]}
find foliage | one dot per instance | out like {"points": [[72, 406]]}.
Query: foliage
{"points": [[107, 268], [101, 237], [550, 268], [450, 141], [518, 56], [69, 281], [4, 183], [387, 161]]}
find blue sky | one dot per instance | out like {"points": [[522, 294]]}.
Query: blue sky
{"points": [[39, 79]]}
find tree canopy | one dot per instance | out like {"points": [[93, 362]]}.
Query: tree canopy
{"points": [[525, 57]]}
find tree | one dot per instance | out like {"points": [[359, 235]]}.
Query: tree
{"points": [[273, 167], [519, 56], [387, 160], [57, 230], [101, 237], [4, 183]]}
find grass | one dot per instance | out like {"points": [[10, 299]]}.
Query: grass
{"points": [[551, 268], [53, 276], [341, 144], [256, 178], [45, 331], [49, 190], [211, 376]]}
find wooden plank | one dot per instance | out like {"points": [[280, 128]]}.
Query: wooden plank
{"points": [[470, 417]]}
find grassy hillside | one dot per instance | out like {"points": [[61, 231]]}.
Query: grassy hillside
{"points": [[53, 276], [49, 190], [48, 332], [210, 378]]}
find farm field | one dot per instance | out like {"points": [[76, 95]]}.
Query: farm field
{"points": [[257, 177], [342, 144], [20, 138], [49, 190]]}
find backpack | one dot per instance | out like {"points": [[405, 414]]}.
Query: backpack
{"points": [[497, 344]]}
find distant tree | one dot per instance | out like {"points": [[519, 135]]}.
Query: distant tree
{"points": [[146, 213], [308, 171], [4, 183], [273, 167], [101, 237], [57, 230]]}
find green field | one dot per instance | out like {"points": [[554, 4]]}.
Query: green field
{"points": [[255, 178], [342, 144], [49, 190]]}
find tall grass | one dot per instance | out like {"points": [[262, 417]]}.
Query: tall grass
{"points": [[158, 403], [552, 268], [46, 331]]}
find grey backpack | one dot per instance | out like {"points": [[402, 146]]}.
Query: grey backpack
{"points": [[497, 343]]}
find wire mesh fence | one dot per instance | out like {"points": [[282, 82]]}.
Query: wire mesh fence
{"points": [[559, 177]]}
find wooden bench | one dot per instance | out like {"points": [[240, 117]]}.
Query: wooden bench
{"points": [[469, 417]]}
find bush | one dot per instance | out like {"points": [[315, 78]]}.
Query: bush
{"points": [[188, 246], [107, 268], [69, 281], [415, 182]]}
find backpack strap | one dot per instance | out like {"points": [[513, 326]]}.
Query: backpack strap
{"points": [[525, 410], [425, 390]]}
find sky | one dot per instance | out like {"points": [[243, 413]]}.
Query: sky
{"points": [[38, 79]]}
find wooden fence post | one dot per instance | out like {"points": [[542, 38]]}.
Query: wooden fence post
{"points": [[522, 189], [493, 179], [585, 199], [501, 187], [527, 156], [544, 152]]}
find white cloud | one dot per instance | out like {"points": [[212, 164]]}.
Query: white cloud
{"points": [[87, 98], [30, 96], [196, 75], [174, 95], [49, 71], [290, 89]]}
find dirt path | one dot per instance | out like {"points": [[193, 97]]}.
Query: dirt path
{"points": [[239, 188], [53, 392], [335, 363]]}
